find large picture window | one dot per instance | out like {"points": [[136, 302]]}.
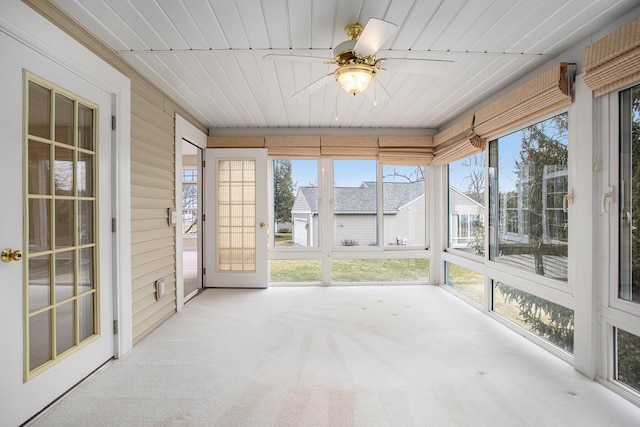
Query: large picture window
{"points": [[528, 176], [466, 204]]}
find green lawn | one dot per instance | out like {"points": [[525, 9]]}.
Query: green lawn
{"points": [[379, 270]]}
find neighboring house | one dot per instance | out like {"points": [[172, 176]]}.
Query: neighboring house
{"points": [[355, 214], [464, 214]]}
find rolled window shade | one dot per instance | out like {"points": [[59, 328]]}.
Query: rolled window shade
{"points": [[542, 94], [235, 142], [293, 146], [405, 151], [613, 61], [457, 142], [349, 146]]}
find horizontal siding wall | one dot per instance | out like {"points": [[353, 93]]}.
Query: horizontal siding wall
{"points": [[152, 194], [153, 251]]}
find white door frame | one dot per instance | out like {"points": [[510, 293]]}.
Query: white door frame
{"points": [[187, 132], [27, 26]]}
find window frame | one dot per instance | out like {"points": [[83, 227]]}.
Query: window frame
{"points": [[327, 250]]}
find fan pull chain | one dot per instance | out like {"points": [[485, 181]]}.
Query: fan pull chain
{"points": [[375, 91], [337, 100]]}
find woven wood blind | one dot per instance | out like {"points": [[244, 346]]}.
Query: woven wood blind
{"points": [[349, 146], [542, 94], [405, 151], [235, 142], [293, 146], [457, 142], [614, 61]]}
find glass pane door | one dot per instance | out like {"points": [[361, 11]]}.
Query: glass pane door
{"points": [[60, 209]]}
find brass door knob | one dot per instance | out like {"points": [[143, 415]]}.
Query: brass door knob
{"points": [[9, 255], [263, 225]]}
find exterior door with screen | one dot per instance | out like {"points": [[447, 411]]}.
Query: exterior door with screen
{"points": [[56, 308], [236, 218]]}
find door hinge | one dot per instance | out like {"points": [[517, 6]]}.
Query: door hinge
{"points": [[115, 327], [204, 217], [113, 225], [204, 271], [204, 163], [113, 122]]}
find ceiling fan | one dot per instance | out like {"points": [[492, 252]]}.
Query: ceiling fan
{"points": [[357, 64]]}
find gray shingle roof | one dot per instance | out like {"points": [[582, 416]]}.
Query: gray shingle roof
{"points": [[363, 199]]}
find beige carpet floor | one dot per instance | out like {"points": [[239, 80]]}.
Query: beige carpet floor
{"points": [[344, 356]]}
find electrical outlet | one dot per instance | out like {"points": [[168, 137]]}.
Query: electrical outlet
{"points": [[160, 289]]}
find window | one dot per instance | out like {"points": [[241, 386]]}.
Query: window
{"points": [[347, 217], [629, 261], [355, 203], [627, 350], [466, 204], [190, 201], [544, 318], [403, 196], [466, 281], [528, 176]]}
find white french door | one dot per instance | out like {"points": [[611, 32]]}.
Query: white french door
{"points": [[237, 218], [56, 308]]}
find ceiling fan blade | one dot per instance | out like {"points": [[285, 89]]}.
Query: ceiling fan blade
{"points": [[374, 35], [377, 93], [433, 67], [301, 58], [314, 86]]}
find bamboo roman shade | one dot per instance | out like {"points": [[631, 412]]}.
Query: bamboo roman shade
{"points": [[457, 142], [614, 61], [352, 147], [405, 151], [293, 146], [542, 94]]}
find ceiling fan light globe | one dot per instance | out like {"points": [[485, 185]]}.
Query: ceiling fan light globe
{"points": [[354, 78]]}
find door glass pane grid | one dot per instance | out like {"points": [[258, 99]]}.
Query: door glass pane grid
{"points": [[60, 219], [236, 215]]}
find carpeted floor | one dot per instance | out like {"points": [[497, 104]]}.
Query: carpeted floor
{"points": [[343, 356]]}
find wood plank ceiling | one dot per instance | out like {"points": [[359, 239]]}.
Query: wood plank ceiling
{"points": [[208, 55]]}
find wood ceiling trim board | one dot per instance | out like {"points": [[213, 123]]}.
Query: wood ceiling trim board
{"points": [[174, 87], [300, 24], [322, 19], [107, 17], [286, 80], [229, 19], [538, 39], [415, 24], [155, 20], [87, 19], [257, 102], [442, 18], [207, 86], [274, 94], [254, 24], [244, 102], [509, 19], [207, 22], [521, 23], [276, 17], [179, 77], [228, 91], [476, 34], [183, 23], [138, 25], [255, 83], [468, 17]]}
